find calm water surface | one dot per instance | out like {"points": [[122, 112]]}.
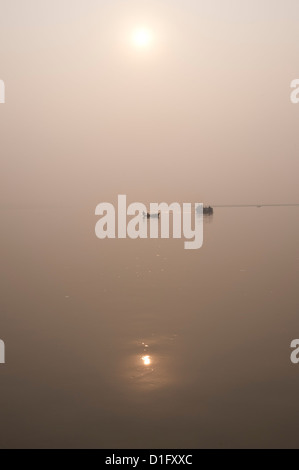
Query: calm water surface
{"points": [[128, 344]]}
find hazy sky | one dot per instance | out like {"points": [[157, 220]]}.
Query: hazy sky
{"points": [[204, 114]]}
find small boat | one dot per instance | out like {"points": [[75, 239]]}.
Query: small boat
{"points": [[148, 215], [206, 210]]}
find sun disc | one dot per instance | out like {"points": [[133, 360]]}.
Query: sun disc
{"points": [[142, 37]]}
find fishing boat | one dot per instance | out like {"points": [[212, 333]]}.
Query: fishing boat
{"points": [[208, 210], [149, 215]]}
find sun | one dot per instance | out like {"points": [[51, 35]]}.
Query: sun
{"points": [[142, 38], [146, 360]]}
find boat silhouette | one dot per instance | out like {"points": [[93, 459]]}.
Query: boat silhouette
{"points": [[208, 210], [149, 215]]}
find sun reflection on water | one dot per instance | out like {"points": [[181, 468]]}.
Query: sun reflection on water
{"points": [[146, 360], [149, 363]]}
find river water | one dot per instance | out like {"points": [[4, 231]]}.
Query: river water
{"points": [[142, 344]]}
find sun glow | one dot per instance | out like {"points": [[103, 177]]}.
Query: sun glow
{"points": [[142, 38], [146, 360]]}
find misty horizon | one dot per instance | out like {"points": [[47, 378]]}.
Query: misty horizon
{"points": [[138, 343]]}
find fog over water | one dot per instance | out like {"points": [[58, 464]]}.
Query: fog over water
{"points": [[124, 343], [140, 343]]}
